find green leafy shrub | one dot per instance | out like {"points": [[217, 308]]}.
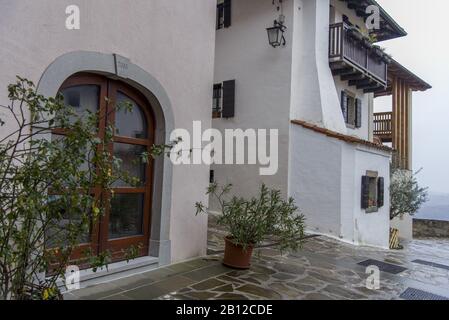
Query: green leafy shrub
{"points": [[252, 221], [406, 196]]}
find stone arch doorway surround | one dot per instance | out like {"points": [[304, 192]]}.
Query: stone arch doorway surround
{"points": [[121, 68]]}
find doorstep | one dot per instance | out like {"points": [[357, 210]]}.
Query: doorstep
{"points": [[116, 271]]}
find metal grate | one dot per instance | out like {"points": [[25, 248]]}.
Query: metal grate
{"points": [[383, 266], [431, 264], [416, 294]]}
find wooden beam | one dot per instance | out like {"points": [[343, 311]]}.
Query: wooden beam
{"points": [[366, 84], [407, 128], [337, 65], [353, 77], [395, 113], [343, 71], [404, 125], [372, 89], [399, 125]]}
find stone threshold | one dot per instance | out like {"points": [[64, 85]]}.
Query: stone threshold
{"points": [[116, 271]]}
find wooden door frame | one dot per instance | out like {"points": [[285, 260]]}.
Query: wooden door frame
{"points": [[116, 245], [101, 82], [100, 231]]}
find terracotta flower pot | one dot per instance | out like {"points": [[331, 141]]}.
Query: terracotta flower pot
{"points": [[235, 256]]}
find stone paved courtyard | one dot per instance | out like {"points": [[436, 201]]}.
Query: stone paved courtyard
{"points": [[324, 269]]}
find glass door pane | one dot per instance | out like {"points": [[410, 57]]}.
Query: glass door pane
{"points": [[130, 123], [131, 164], [126, 215], [83, 99]]}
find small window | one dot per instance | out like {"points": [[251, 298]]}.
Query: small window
{"points": [[211, 176], [352, 109], [223, 104], [217, 101], [372, 192], [220, 14], [223, 14]]}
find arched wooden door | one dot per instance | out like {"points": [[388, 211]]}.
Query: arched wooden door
{"points": [[126, 223]]}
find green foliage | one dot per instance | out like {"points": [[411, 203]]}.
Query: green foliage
{"points": [[372, 38], [98, 261], [132, 252], [252, 221], [46, 202], [406, 196]]}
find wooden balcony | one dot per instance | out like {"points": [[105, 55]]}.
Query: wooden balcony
{"points": [[383, 128], [354, 60]]}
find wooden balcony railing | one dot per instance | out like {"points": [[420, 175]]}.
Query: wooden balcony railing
{"points": [[352, 51], [383, 126]]}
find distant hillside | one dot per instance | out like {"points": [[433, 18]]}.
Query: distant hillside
{"points": [[436, 209]]}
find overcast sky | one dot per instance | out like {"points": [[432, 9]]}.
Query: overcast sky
{"points": [[425, 51]]}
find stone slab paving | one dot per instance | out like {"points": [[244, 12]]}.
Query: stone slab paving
{"points": [[324, 269]]}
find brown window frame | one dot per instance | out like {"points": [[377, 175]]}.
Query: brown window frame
{"points": [[100, 241]]}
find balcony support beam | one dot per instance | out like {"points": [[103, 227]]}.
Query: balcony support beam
{"points": [[353, 77], [365, 84], [343, 71]]}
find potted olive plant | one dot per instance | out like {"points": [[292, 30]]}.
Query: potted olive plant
{"points": [[250, 222]]}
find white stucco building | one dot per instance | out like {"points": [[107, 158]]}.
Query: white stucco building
{"points": [[318, 90], [174, 59], [162, 50]]}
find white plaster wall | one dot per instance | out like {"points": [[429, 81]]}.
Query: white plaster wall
{"points": [[371, 229], [263, 99], [315, 97], [404, 225], [325, 180], [315, 179], [348, 192], [262, 75], [171, 40]]}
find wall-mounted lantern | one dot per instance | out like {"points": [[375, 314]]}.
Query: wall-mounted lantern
{"points": [[276, 33]]}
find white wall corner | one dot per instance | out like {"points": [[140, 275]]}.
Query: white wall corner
{"points": [[316, 100]]}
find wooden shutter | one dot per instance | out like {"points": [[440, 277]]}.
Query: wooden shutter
{"points": [[211, 176], [344, 105], [365, 192], [228, 109], [358, 113], [220, 16], [227, 13], [380, 192]]}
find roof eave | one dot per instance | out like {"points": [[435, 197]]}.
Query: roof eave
{"points": [[400, 32]]}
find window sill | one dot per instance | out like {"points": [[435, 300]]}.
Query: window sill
{"points": [[350, 126], [372, 210]]}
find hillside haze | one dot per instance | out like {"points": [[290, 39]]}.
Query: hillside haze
{"points": [[437, 208]]}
